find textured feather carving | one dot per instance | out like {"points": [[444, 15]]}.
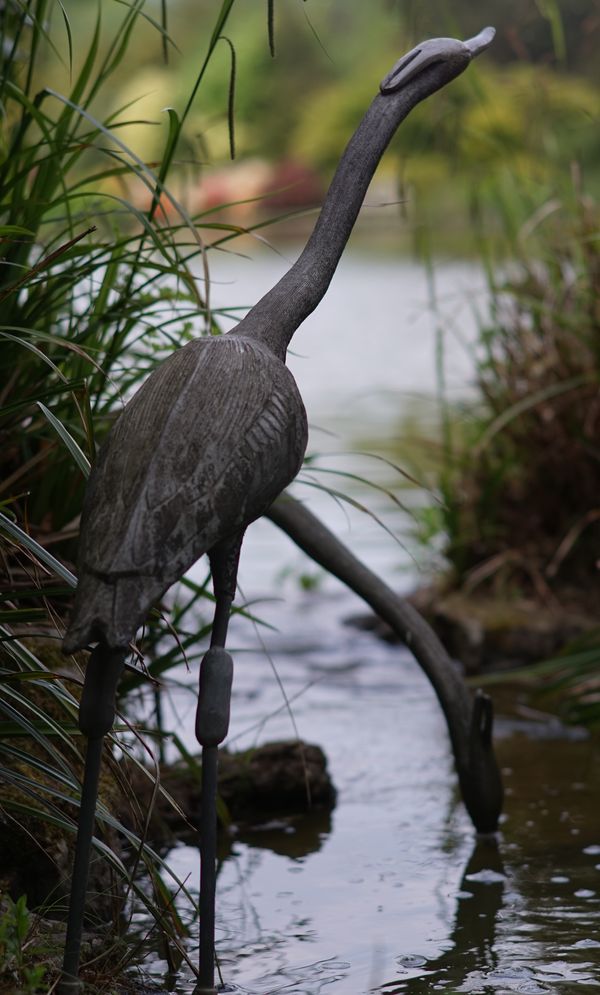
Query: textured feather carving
{"points": [[203, 448]]}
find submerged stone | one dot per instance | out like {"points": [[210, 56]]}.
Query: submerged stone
{"points": [[278, 779]]}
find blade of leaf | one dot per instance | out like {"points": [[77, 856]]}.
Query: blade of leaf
{"points": [[23, 539], [76, 452]]}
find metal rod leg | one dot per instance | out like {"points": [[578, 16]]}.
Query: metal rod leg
{"points": [[212, 722], [208, 871], [69, 983], [96, 716]]}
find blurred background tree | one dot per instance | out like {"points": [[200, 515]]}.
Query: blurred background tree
{"points": [[329, 58]]}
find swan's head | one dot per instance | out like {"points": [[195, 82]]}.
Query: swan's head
{"points": [[432, 51]]}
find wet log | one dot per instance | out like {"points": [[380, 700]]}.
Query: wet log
{"points": [[469, 718]]}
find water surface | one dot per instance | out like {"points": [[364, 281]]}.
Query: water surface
{"points": [[391, 892]]}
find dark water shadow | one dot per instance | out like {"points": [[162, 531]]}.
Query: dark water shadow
{"points": [[479, 900], [293, 836]]}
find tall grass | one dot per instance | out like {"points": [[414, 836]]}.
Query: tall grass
{"points": [[520, 470], [519, 467], [97, 284]]}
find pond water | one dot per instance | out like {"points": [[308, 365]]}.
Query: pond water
{"points": [[391, 892]]}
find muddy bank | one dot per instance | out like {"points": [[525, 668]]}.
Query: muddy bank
{"points": [[485, 632]]}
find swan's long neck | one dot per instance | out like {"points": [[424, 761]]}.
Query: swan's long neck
{"points": [[277, 315]]}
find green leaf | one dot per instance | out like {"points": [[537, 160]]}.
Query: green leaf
{"points": [[86, 69], [8, 230], [17, 615], [71, 387], [231, 97], [271, 26], [67, 24], [21, 918], [23, 539], [76, 452], [167, 158]]}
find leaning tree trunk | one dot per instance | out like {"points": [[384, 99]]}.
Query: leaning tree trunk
{"points": [[469, 718]]}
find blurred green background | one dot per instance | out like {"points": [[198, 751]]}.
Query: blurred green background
{"points": [[528, 110]]}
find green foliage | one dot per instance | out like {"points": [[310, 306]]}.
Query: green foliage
{"points": [[98, 283], [85, 273], [569, 684], [530, 119], [518, 468], [503, 107], [314, 45], [98, 279], [15, 927], [520, 482]]}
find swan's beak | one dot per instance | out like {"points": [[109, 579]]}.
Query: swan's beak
{"points": [[432, 51], [481, 41]]}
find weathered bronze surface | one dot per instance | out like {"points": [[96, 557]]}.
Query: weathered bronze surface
{"points": [[203, 449], [219, 429]]}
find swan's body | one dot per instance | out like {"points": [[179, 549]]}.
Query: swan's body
{"points": [[218, 430], [204, 448]]}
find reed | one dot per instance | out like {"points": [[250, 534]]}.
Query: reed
{"points": [[98, 282]]}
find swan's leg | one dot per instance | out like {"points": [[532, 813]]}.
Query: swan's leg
{"points": [[212, 723], [96, 716]]}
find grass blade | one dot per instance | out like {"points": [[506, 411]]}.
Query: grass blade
{"points": [[78, 455], [25, 540]]}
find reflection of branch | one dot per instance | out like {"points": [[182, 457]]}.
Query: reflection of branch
{"points": [[469, 720], [479, 900]]}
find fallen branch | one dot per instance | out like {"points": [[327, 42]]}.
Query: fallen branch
{"points": [[469, 718]]}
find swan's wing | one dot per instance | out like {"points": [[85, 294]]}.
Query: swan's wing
{"points": [[202, 449]]}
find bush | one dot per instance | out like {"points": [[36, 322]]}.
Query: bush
{"points": [[520, 473]]}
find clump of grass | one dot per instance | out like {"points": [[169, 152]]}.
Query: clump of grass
{"points": [[521, 486], [97, 285], [517, 471], [15, 963], [567, 684]]}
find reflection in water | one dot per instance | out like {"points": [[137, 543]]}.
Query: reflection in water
{"points": [[528, 908], [389, 893], [479, 900], [312, 979], [292, 837]]}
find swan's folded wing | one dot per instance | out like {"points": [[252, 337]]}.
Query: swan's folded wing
{"points": [[202, 449]]}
